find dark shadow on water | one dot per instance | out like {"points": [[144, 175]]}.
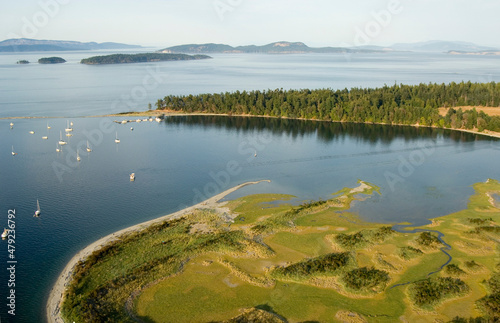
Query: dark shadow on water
{"points": [[325, 130]]}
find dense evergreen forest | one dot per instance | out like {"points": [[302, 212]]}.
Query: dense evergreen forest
{"points": [[139, 58], [397, 104], [51, 60]]}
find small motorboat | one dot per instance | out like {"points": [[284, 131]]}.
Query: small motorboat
{"points": [[38, 211]]}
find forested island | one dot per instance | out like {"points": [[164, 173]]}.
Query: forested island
{"points": [[439, 105], [140, 58], [22, 61], [51, 60]]}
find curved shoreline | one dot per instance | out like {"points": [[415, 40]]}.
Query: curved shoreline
{"points": [[486, 133], [56, 296]]}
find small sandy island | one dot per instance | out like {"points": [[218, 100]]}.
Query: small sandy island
{"points": [[56, 296]]}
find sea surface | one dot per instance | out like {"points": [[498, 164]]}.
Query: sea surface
{"points": [[422, 173], [73, 89]]}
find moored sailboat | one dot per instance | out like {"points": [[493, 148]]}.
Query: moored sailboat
{"points": [[68, 128], [61, 141]]}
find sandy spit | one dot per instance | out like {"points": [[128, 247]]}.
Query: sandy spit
{"points": [[56, 296]]}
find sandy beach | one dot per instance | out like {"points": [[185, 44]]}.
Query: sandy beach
{"points": [[56, 294]]}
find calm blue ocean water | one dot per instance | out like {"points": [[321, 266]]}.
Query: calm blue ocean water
{"points": [[422, 173], [73, 89]]}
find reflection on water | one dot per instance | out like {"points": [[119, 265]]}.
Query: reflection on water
{"points": [[326, 131]]}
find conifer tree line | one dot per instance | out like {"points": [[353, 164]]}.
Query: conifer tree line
{"points": [[397, 104]]}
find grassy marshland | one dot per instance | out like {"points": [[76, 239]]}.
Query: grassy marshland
{"points": [[311, 262]]}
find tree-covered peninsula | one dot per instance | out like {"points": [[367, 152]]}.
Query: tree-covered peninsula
{"points": [[51, 60], [440, 105], [139, 58]]}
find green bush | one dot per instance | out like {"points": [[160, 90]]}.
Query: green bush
{"points": [[363, 279], [327, 264], [431, 291], [409, 252], [351, 241], [490, 305], [427, 239], [453, 270]]}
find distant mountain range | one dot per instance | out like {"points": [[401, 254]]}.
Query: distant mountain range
{"points": [[282, 47], [32, 45], [440, 46]]}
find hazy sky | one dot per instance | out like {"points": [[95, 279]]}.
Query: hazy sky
{"points": [[241, 22]]}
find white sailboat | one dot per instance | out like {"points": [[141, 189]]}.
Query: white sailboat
{"points": [[45, 137], [13, 153], [61, 141], [78, 155], [57, 148], [88, 147], [5, 233], [116, 138], [32, 132], [132, 177], [48, 127], [11, 125], [38, 211], [68, 129]]}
